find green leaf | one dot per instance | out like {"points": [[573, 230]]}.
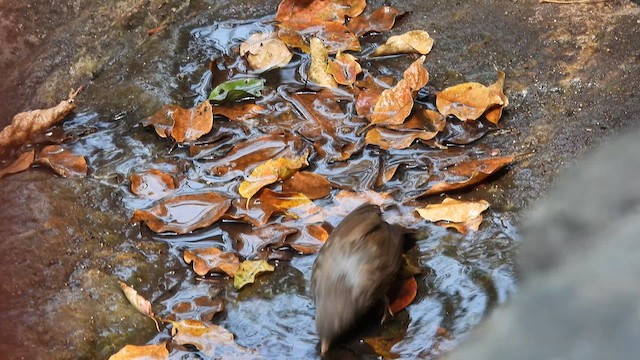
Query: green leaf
{"points": [[237, 89]]}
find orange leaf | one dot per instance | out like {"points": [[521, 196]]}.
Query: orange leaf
{"points": [[152, 184], [212, 260], [391, 139], [141, 304], [326, 10], [22, 163], [412, 42], [62, 161], [402, 294], [380, 20], [463, 227], [270, 172], [294, 205], [142, 352], [238, 111], [344, 69], [473, 171], [183, 125], [310, 240], [334, 35], [184, 213], [312, 185], [494, 113], [453, 210], [469, 101], [212, 340]]}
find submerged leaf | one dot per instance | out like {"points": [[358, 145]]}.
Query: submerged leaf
{"points": [[312, 185], [249, 269], [463, 227], [212, 340], [152, 184], [334, 35], [142, 352], [294, 205], [251, 244], [415, 41], [238, 111], [183, 125], [380, 20], [265, 51], [469, 173], [345, 69], [453, 210], [233, 90], [183, 213], [319, 64], [141, 304], [391, 139], [62, 161], [212, 260], [270, 172], [402, 294], [22, 163]]}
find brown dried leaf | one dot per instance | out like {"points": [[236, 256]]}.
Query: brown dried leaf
{"points": [[453, 210], [469, 173], [380, 20], [183, 125], [270, 172], [238, 111], [184, 213], [212, 340], [395, 104], [26, 124], [312, 185], [141, 304], [464, 227], [412, 42], [310, 240], [62, 161], [294, 205], [319, 64], [152, 184], [265, 51], [468, 101], [326, 10], [252, 243], [402, 294], [212, 260], [249, 269], [240, 211], [391, 139], [494, 113], [334, 35], [22, 163], [142, 352], [344, 68]]}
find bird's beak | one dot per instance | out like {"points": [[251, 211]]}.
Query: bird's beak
{"points": [[324, 347]]}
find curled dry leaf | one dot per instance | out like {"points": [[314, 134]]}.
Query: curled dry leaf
{"points": [[62, 161], [344, 68], [494, 113], [326, 10], [402, 294], [312, 185], [334, 35], [22, 163], [238, 111], [152, 184], [25, 124], [212, 340], [395, 104], [472, 172], [142, 352], [270, 172], [183, 213], [265, 51], [453, 210], [380, 20], [251, 244], [412, 42], [469, 101], [249, 269], [141, 304], [212, 260], [319, 64], [183, 125], [391, 139]]}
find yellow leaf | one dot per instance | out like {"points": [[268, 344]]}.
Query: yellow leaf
{"points": [[319, 62], [415, 41], [453, 210], [142, 352], [270, 172], [248, 271], [141, 304], [265, 51]]}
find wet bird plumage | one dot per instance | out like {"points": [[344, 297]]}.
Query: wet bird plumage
{"points": [[353, 271]]}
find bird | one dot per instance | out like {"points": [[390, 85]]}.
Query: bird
{"points": [[353, 271]]}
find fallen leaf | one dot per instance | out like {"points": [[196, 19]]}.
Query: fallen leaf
{"points": [[422, 119], [252, 243], [212, 340], [402, 294], [312, 185], [26, 124], [468, 101], [142, 352], [319, 64], [469, 173], [183, 213], [392, 139], [494, 113], [309, 240], [453, 210], [270, 172], [212, 260], [334, 35], [152, 184], [62, 161], [382, 345], [233, 90], [325, 10], [412, 42], [380, 20], [238, 111], [344, 69], [22, 163], [346, 201], [183, 125], [395, 104], [265, 51], [294, 205], [139, 303], [248, 271], [463, 227]]}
